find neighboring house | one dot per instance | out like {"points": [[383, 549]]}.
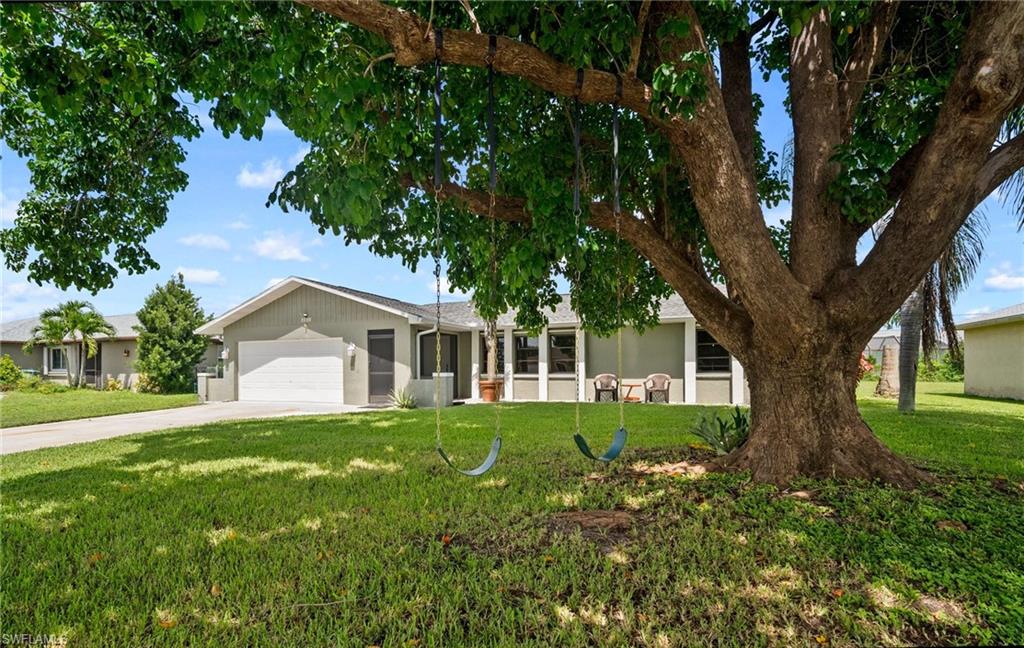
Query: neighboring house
{"points": [[115, 355], [305, 340], [994, 353], [891, 338]]}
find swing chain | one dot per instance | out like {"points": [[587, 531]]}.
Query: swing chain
{"points": [[492, 184], [577, 212], [438, 40], [617, 211]]}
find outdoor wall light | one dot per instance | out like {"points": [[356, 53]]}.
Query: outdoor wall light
{"points": [[306, 319], [125, 352], [224, 354], [351, 349]]}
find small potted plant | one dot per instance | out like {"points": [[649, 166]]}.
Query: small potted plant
{"points": [[490, 389]]}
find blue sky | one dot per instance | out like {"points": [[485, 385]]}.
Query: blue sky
{"points": [[230, 246]]}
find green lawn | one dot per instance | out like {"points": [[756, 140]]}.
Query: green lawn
{"points": [[26, 408], [350, 531]]}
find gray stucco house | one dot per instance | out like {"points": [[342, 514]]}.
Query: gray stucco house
{"points": [[114, 358], [305, 340]]}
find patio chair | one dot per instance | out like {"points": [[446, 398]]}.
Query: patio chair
{"points": [[656, 388], [606, 384]]}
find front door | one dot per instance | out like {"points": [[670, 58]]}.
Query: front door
{"points": [[381, 349]]}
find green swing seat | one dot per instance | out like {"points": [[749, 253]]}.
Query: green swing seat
{"points": [[618, 443], [489, 461]]}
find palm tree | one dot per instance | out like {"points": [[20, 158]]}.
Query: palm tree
{"points": [[929, 309], [88, 325], [68, 323], [53, 330]]}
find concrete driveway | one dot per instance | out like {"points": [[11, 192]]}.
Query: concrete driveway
{"points": [[46, 435]]}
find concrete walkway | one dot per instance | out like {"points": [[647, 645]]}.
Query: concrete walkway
{"points": [[46, 435]]}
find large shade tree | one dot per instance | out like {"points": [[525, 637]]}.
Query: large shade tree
{"points": [[895, 107]]}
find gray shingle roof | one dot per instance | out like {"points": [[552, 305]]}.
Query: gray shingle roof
{"points": [[21, 330], [388, 302], [462, 312], [1008, 314]]}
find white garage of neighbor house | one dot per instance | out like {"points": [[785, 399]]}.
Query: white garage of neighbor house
{"points": [[994, 353], [303, 340]]}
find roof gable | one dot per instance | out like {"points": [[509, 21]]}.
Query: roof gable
{"points": [[394, 306]]}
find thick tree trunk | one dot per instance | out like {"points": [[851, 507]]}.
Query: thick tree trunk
{"points": [[911, 316], [805, 422]]}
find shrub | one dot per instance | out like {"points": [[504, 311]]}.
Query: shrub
{"points": [[942, 370], [39, 386], [402, 399], [146, 385], [168, 347], [10, 374], [724, 434], [113, 384], [864, 367]]}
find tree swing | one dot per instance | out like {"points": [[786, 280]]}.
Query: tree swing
{"points": [[492, 456], [619, 439]]}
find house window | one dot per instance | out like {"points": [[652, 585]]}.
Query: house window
{"points": [[711, 356], [562, 352], [58, 363], [499, 347], [527, 351]]}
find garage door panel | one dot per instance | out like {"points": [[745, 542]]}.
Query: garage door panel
{"points": [[291, 370]]}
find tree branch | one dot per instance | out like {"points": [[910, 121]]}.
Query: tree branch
{"points": [[404, 31], [955, 168], [738, 93], [818, 246], [636, 44], [725, 195], [472, 16], [868, 50], [727, 321]]}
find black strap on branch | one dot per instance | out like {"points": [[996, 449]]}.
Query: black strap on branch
{"points": [[492, 136], [576, 133], [438, 44]]}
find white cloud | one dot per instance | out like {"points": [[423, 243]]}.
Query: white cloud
{"points": [[8, 208], [273, 282], [238, 224], [268, 175], [279, 246], [979, 311], [446, 289], [207, 241], [298, 155], [274, 125], [1005, 277], [201, 275], [20, 299]]}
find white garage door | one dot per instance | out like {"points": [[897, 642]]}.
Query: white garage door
{"points": [[291, 370]]}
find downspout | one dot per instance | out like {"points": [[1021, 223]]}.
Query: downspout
{"points": [[419, 345]]}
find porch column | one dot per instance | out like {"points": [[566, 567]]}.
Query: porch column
{"points": [[690, 362], [581, 367], [736, 382], [542, 366], [474, 368], [509, 357]]}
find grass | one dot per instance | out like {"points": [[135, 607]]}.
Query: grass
{"points": [[26, 408], [350, 531]]}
